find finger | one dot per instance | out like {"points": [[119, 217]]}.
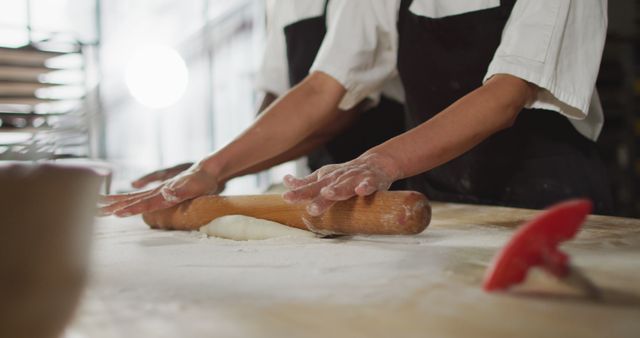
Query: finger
{"points": [[292, 182], [148, 204], [171, 194], [182, 188], [339, 187], [112, 207], [102, 213], [366, 188], [141, 182], [161, 175], [104, 199], [107, 199], [109, 208], [319, 206], [342, 190], [306, 192]]}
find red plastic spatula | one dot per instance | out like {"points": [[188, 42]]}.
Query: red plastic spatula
{"points": [[536, 243]]}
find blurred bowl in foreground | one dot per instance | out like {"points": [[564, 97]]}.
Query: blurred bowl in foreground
{"points": [[46, 221]]}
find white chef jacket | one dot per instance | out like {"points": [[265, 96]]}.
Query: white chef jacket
{"points": [[273, 75], [554, 44]]}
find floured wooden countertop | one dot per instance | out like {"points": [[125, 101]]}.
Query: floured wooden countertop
{"points": [[148, 283]]}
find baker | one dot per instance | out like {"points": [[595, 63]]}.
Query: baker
{"points": [[501, 96], [297, 30]]}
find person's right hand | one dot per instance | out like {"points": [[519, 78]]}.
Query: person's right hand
{"points": [[362, 176], [191, 183], [160, 175]]}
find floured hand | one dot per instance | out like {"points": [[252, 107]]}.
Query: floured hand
{"points": [[160, 175], [191, 183], [338, 182]]}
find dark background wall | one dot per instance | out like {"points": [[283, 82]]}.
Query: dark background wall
{"points": [[619, 88]]}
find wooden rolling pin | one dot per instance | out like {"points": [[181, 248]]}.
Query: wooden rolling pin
{"points": [[384, 213]]}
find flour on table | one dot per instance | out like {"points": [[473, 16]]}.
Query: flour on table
{"points": [[539, 281], [245, 228]]}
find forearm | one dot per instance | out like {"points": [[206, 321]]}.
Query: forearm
{"points": [[267, 100], [301, 149], [286, 122], [460, 127], [319, 138]]}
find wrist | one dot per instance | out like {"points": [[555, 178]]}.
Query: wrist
{"points": [[385, 162], [212, 167]]}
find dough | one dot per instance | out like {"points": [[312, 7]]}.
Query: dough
{"points": [[245, 228]]}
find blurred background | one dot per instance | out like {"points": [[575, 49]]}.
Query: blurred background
{"points": [[149, 83]]}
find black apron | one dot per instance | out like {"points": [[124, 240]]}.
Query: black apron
{"points": [[541, 160], [373, 127]]}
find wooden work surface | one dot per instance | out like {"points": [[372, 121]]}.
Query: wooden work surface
{"points": [[172, 284]]}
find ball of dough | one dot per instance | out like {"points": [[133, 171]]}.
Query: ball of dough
{"points": [[245, 228]]}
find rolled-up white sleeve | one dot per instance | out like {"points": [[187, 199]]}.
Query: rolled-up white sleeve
{"points": [[556, 45], [360, 48], [273, 74]]}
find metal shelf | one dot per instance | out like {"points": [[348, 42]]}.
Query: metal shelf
{"points": [[50, 133]]}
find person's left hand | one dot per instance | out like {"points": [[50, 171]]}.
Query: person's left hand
{"points": [[160, 175], [338, 182], [191, 183]]}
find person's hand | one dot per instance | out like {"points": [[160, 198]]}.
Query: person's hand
{"points": [[338, 182], [160, 175], [191, 183]]}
